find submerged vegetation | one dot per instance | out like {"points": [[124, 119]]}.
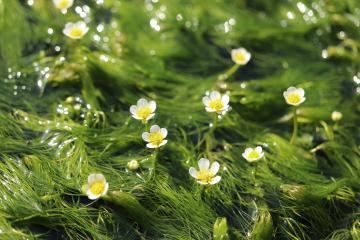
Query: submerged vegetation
{"points": [[83, 158]]}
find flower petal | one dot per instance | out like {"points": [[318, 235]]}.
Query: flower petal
{"points": [[152, 105], [206, 100], [247, 57], [145, 136], [215, 95], [154, 128], [99, 177], [150, 116], [92, 196], [163, 143], [301, 92], [193, 172], [215, 180], [105, 189], [258, 149], [150, 145], [69, 25], [302, 100], [91, 177], [225, 99], [214, 168], [204, 164], [142, 102], [202, 182], [209, 109], [163, 132], [133, 109], [291, 89], [285, 94], [248, 150]]}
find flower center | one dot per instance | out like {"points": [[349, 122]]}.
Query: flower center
{"points": [[156, 138], [216, 104], [293, 98], [97, 188], [63, 4], [239, 57], [205, 176], [253, 154], [144, 113], [76, 32]]}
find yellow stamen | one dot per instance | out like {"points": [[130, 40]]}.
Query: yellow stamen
{"points": [[97, 188], [239, 57], [205, 176], [156, 138], [144, 113], [76, 32], [217, 105], [253, 154], [293, 98], [63, 4]]}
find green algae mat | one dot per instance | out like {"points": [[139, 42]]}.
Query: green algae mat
{"points": [[180, 119]]}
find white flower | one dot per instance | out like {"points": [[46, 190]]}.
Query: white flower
{"points": [[216, 103], [143, 110], [156, 137], [253, 155], [63, 4], [96, 186], [294, 96], [206, 174], [75, 30], [336, 116], [133, 165], [240, 56]]}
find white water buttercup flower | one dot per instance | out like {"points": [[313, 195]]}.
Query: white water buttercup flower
{"points": [[75, 30], [216, 103], [63, 4], [96, 186], [294, 96], [206, 173], [253, 154], [336, 116], [156, 137], [143, 110], [240, 56]]}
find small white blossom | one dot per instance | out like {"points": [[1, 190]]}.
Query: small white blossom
{"points": [[143, 110], [96, 186], [63, 4], [336, 116], [206, 173], [294, 96], [75, 30], [253, 155], [133, 165], [216, 103], [156, 137], [240, 56]]}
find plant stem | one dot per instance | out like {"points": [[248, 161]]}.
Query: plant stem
{"points": [[295, 128], [229, 72], [210, 135], [154, 160]]}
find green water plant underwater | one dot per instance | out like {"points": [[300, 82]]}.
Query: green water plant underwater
{"points": [[179, 119]]}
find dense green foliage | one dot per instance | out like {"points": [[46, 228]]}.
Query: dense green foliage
{"points": [[64, 113]]}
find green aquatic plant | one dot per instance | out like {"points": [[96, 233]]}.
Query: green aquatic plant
{"points": [[71, 73]]}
